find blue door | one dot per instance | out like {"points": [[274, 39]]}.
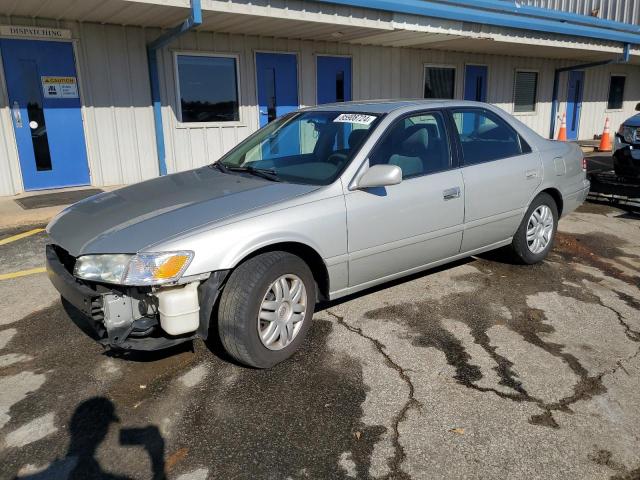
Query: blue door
{"points": [[475, 83], [277, 76], [333, 79], [475, 89], [574, 103], [45, 109]]}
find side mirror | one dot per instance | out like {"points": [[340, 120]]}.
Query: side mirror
{"points": [[380, 176], [638, 107]]}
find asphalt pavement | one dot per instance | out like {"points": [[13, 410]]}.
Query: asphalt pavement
{"points": [[480, 369]]}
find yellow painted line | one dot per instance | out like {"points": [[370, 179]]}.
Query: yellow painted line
{"points": [[13, 238], [22, 273]]}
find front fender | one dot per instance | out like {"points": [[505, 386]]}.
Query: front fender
{"points": [[320, 225]]}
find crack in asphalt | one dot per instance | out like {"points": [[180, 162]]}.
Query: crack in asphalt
{"points": [[631, 334], [399, 456]]}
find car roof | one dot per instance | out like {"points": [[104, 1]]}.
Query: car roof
{"points": [[389, 105]]}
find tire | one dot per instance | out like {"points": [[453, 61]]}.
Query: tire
{"points": [[520, 247], [240, 306]]}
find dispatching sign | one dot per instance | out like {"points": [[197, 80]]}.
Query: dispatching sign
{"points": [[60, 87]]}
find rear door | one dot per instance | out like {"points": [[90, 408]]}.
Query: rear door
{"points": [[419, 221], [500, 174]]}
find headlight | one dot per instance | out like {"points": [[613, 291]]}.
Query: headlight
{"points": [[141, 269], [627, 133], [102, 268]]}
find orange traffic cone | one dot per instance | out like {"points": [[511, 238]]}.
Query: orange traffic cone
{"points": [[562, 133], [605, 140]]}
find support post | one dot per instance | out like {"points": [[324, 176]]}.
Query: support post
{"points": [[194, 20]]}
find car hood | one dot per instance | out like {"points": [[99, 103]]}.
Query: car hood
{"points": [[633, 121], [132, 218]]}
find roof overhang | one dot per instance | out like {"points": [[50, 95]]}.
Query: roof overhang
{"points": [[407, 23]]}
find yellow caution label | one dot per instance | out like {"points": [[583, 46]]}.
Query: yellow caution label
{"points": [[58, 80]]}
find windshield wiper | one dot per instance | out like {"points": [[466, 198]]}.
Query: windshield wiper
{"points": [[267, 173], [220, 167]]}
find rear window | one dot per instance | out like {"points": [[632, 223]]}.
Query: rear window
{"points": [[485, 137]]}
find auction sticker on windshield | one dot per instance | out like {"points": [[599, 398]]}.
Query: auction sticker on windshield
{"points": [[355, 118]]}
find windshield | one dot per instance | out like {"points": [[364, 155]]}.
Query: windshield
{"points": [[306, 147]]}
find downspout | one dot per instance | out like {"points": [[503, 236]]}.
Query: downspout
{"points": [[194, 20], [556, 80]]}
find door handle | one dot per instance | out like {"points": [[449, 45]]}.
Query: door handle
{"points": [[451, 193], [531, 173], [17, 116]]}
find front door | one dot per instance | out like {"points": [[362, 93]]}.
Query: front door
{"points": [[277, 76], [333, 79], [574, 103], [475, 83], [45, 109], [401, 228]]}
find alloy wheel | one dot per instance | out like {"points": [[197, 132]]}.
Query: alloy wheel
{"points": [[539, 229], [282, 312]]}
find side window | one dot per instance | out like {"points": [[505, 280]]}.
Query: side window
{"points": [[485, 137], [417, 144]]}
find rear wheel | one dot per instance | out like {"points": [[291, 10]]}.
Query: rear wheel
{"points": [[266, 308], [534, 238]]}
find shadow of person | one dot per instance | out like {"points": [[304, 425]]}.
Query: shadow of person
{"points": [[88, 428]]}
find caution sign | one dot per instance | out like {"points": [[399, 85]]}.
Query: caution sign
{"points": [[60, 87]]}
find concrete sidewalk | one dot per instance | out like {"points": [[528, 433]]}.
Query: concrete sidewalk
{"points": [[12, 214]]}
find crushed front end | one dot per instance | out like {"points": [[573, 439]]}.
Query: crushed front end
{"points": [[135, 317]]}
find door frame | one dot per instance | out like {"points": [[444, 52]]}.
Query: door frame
{"points": [[14, 165], [464, 82], [583, 81], [255, 77], [315, 69]]}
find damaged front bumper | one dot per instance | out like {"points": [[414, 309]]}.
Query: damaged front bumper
{"points": [[128, 317]]}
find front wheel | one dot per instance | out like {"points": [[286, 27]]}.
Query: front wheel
{"points": [[266, 308], [534, 238]]}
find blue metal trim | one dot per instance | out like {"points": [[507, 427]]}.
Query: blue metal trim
{"points": [[194, 20], [626, 55], [475, 15], [514, 7]]}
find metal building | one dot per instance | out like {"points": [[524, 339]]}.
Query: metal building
{"points": [[107, 92]]}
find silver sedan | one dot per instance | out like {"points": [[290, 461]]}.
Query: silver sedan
{"points": [[318, 204]]}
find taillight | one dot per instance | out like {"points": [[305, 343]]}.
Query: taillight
{"points": [[584, 164]]}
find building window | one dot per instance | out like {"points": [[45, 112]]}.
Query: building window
{"points": [[616, 92], [439, 82], [525, 91], [208, 88]]}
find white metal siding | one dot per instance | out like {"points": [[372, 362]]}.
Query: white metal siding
{"points": [[627, 11], [118, 117], [10, 180], [378, 72], [594, 107], [116, 103]]}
